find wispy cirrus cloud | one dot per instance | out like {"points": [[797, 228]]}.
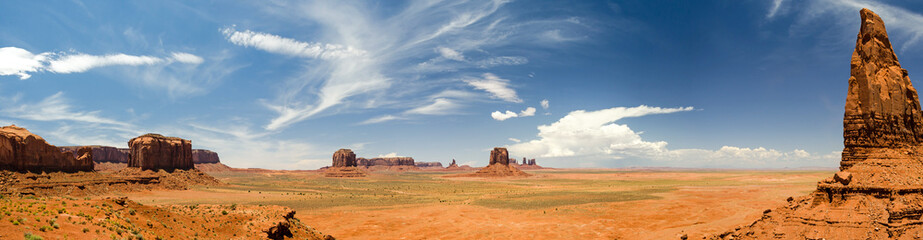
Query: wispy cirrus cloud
{"points": [[55, 108], [367, 59], [497, 87], [21, 62]]}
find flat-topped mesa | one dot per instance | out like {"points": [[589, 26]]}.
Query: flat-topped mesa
{"points": [[385, 161], [155, 152], [344, 165], [344, 158], [200, 156], [499, 156], [102, 153], [882, 107], [21, 150]]}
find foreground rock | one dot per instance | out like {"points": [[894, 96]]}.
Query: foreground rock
{"points": [[20, 150], [344, 165], [878, 193], [156, 152], [122, 218], [499, 166]]}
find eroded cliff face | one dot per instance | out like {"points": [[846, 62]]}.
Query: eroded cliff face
{"points": [[155, 152], [344, 165], [385, 161], [21, 150], [103, 153], [499, 156], [429, 164], [878, 193], [200, 156], [882, 108]]}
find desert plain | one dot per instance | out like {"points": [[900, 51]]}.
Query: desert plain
{"points": [[552, 204]]}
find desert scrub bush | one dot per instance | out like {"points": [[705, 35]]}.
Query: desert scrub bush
{"points": [[30, 236], [85, 230], [45, 228]]}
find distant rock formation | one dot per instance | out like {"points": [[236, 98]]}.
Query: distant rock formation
{"points": [[155, 152], [20, 150], [453, 164], [429, 164], [385, 161], [344, 165], [103, 153], [499, 166], [878, 193], [499, 156], [200, 156]]}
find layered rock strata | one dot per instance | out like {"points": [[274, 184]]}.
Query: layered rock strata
{"points": [[344, 165], [21, 150], [156, 152], [878, 193]]}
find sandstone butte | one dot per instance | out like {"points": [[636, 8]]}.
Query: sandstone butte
{"points": [[21, 150], [155, 152], [878, 193], [499, 166], [387, 164], [344, 165]]}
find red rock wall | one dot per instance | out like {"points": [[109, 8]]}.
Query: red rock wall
{"points": [[882, 107], [344, 158], [204, 156], [499, 156], [102, 153], [155, 152], [20, 150], [388, 161]]}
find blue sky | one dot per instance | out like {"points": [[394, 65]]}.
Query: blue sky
{"points": [[283, 84]]}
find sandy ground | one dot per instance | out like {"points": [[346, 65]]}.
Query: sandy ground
{"points": [[700, 203]]}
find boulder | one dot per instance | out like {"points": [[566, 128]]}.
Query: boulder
{"points": [[156, 152], [21, 150]]}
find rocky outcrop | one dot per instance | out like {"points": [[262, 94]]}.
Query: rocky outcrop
{"points": [[499, 156], [344, 158], [453, 165], [499, 166], [429, 164], [344, 165], [878, 193], [204, 156], [156, 152], [385, 161], [103, 153], [20, 150]]}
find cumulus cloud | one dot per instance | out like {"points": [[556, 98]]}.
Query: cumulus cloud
{"points": [[497, 87], [596, 135], [501, 116], [545, 104], [20, 62], [389, 155]]}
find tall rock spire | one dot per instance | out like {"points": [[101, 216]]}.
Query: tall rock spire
{"points": [[882, 107]]}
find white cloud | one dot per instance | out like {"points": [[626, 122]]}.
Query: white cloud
{"points": [[774, 8], [501, 116], [287, 46], [528, 112], [389, 155], [448, 53], [497, 87], [545, 104], [502, 61], [55, 108], [19, 62], [440, 106], [379, 119], [83, 62], [514, 140], [187, 58], [595, 136]]}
